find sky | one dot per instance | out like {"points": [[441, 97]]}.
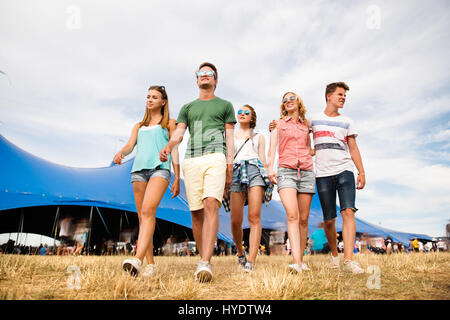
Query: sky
{"points": [[74, 78]]}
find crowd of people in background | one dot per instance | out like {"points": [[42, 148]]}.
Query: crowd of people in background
{"points": [[316, 244]]}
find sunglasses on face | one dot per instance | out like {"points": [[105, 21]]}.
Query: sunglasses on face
{"points": [[291, 98], [208, 73], [246, 112]]}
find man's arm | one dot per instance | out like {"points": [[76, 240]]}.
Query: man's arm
{"points": [[175, 161], [229, 141], [357, 160], [175, 139]]}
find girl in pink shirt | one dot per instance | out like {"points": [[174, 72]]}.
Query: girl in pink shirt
{"points": [[295, 175]]}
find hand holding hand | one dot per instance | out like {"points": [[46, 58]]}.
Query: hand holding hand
{"points": [[164, 154], [272, 176], [228, 180], [272, 125]]}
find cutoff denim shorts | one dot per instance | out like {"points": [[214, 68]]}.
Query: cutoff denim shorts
{"points": [[288, 178], [145, 174], [344, 184], [254, 179]]}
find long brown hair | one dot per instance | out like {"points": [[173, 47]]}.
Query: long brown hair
{"points": [[301, 108], [164, 109], [252, 123]]}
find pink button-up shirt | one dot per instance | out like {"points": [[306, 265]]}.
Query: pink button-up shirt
{"points": [[293, 150]]}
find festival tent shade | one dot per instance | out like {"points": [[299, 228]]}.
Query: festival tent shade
{"points": [[30, 181]]}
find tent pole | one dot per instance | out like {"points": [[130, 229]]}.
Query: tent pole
{"points": [[126, 217], [101, 217], [20, 226], [120, 226], [54, 226], [89, 234]]}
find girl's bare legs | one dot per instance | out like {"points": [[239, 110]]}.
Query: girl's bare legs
{"points": [[154, 191], [255, 197], [237, 215], [139, 192], [304, 205], [289, 199]]}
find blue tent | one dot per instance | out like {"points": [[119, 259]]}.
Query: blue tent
{"points": [[29, 181]]}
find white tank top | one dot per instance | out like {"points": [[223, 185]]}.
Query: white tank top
{"points": [[249, 151]]}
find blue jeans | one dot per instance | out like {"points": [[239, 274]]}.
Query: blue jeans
{"points": [[344, 184]]}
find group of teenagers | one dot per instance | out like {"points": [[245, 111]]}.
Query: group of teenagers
{"points": [[227, 166]]}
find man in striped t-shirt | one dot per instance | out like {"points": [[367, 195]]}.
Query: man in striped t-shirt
{"points": [[336, 152]]}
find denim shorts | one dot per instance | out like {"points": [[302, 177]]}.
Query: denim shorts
{"points": [[145, 174], [344, 184], [288, 178], [254, 179]]}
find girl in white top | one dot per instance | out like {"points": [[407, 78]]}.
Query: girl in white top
{"points": [[249, 160]]}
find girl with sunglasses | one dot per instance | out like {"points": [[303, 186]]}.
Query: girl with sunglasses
{"points": [[150, 176], [250, 185], [295, 176]]}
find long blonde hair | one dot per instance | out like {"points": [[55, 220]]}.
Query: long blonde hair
{"points": [[164, 110], [301, 108]]}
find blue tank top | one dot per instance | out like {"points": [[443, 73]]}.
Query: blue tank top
{"points": [[150, 141]]}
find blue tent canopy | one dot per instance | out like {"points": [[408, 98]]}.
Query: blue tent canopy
{"points": [[28, 181]]}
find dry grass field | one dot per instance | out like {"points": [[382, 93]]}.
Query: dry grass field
{"points": [[399, 276]]}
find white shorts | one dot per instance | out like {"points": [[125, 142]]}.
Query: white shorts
{"points": [[204, 177]]}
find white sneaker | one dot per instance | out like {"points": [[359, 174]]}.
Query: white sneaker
{"points": [[149, 270], [295, 268], [133, 266], [335, 262], [203, 272], [352, 266], [249, 267], [305, 267]]}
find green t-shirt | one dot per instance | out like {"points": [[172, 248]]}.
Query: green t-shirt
{"points": [[206, 123]]}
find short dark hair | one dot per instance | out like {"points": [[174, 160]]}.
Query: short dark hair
{"points": [[209, 64], [333, 86]]}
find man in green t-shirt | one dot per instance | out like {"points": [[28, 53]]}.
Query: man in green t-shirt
{"points": [[208, 163]]}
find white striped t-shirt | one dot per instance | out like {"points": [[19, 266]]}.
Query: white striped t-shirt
{"points": [[330, 142]]}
